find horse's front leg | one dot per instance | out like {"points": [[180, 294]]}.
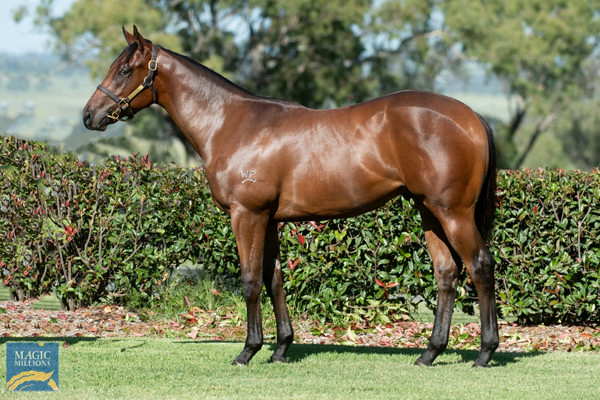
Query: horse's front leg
{"points": [[273, 278], [250, 230]]}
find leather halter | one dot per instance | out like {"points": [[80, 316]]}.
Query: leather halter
{"points": [[124, 103]]}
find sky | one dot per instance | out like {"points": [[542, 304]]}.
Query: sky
{"points": [[23, 37]]}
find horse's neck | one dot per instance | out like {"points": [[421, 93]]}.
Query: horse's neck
{"points": [[197, 100]]}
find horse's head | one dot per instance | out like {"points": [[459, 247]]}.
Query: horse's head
{"points": [[122, 92]]}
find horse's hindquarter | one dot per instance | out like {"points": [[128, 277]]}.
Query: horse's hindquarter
{"points": [[308, 164], [440, 146]]}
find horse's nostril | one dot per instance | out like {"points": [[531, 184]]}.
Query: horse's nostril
{"points": [[87, 118]]}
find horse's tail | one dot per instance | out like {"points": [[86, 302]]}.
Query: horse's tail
{"points": [[486, 204]]}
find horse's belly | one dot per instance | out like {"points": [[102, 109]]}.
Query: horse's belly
{"points": [[314, 199]]}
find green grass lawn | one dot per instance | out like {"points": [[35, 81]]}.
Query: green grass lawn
{"points": [[184, 369]]}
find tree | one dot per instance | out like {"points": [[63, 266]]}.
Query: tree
{"points": [[539, 49], [410, 44], [317, 52], [310, 51]]}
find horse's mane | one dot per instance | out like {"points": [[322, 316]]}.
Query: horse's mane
{"points": [[208, 71], [205, 71]]}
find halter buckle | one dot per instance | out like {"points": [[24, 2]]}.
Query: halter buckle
{"points": [[116, 115], [123, 104]]}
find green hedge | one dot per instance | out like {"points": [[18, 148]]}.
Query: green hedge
{"points": [[91, 233], [546, 246], [110, 232]]}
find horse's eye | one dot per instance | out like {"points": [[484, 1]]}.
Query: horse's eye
{"points": [[124, 72]]}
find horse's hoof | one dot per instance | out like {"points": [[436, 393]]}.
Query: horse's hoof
{"points": [[420, 363], [278, 359], [239, 364], [477, 365]]}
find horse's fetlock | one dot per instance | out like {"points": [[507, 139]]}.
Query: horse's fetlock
{"points": [[254, 345]]}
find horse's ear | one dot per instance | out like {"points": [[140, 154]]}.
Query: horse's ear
{"points": [[128, 36], [139, 38]]}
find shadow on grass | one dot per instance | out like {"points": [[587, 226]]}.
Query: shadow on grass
{"points": [[66, 341], [299, 352], [37, 339]]}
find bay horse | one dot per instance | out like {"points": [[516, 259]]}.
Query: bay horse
{"points": [[269, 161]]}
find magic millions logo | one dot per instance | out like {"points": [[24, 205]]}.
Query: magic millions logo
{"points": [[31, 366]]}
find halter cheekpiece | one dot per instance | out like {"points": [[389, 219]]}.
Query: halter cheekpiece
{"points": [[124, 103]]}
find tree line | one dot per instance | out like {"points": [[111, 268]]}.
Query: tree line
{"points": [[328, 53]]}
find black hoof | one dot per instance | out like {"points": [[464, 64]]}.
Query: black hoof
{"points": [[420, 363], [243, 359], [246, 355], [278, 359]]}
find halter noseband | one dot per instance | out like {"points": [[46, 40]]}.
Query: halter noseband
{"points": [[125, 102]]}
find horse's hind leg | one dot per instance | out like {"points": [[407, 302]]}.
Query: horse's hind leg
{"points": [[273, 279], [465, 239], [446, 275], [482, 274]]}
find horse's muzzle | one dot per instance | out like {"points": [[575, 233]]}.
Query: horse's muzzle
{"points": [[88, 121]]}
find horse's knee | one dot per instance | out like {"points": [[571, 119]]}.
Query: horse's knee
{"points": [[485, 260], [251, 287]]}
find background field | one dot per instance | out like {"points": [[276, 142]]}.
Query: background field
{"points": [[56, 105]]}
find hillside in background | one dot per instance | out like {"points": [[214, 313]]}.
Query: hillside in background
{"points": [[41, 98]]}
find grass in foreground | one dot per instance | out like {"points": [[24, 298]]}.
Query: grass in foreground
{"points": [[182, 369]]}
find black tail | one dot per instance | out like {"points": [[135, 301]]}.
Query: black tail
{"points": [[486, 204]]}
